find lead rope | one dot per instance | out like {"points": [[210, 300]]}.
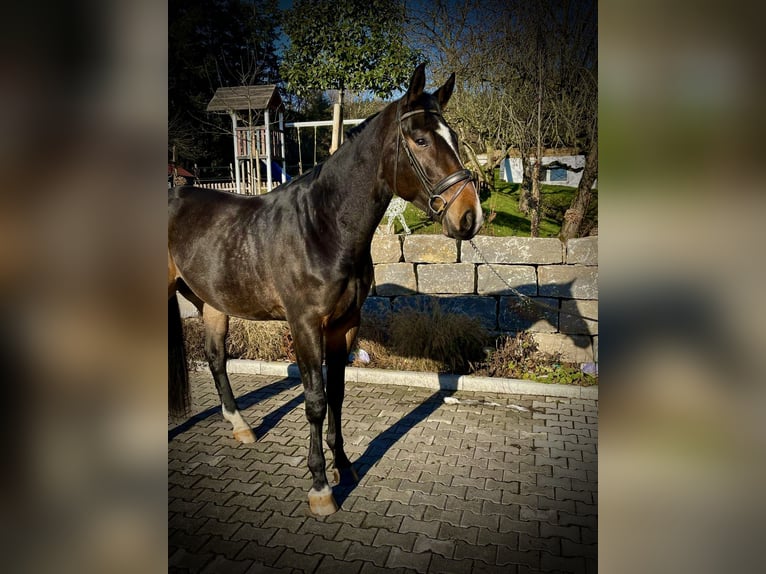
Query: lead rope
{"points": [[527, 301]]}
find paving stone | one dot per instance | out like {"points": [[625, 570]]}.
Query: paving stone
{"points": [[530, 558], [399, 558], [429, 528], [335, 548], [482, 521], [253, 534], [402, 540], [519, 526], [402, 496], [487, 554], [186, 507], [331, 565], [370, 568], [443, 548], [550, 545], [497, 538], [438, 501], [537, 514], [461, 505], [387, 522], [441, 565], [215, 527], [193, 561], [375, 554], [458, 490], [261, 554], [298, 561], [363, 535], [447, 516], [408, 510], [221, 547], [450, 532], [222, 564], [561, 563]]}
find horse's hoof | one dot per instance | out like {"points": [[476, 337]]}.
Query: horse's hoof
{"points": [[321, 502], [245, 436]]}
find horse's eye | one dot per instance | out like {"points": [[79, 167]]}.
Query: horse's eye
{"points": [[421, 142]]}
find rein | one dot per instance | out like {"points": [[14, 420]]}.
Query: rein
{"points": [[434, 192]]}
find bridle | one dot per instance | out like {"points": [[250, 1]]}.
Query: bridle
{"points": [[434, 192]]}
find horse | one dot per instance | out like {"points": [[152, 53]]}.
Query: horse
{"points": [[301, 253]]}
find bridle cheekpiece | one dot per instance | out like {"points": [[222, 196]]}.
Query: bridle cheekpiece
{"points": [[434, 191]]}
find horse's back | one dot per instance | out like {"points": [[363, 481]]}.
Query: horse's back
{"points": [[190, 198]]}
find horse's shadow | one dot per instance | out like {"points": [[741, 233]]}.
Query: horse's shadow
{"points": [[380, 445], [376, 449], [245, 402]]}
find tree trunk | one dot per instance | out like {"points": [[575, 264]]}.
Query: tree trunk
{"points": [[534, 201], [534, 204], [525, 192], [574, 216]]}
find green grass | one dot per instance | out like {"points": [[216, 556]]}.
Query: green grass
{"points": [[508, 220]]}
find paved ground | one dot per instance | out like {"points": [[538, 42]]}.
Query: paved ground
{"points": [[468, 487]]}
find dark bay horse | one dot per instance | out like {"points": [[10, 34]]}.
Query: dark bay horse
{"points": [[302, 254]]}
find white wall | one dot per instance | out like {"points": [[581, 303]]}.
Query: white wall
{"points": [[511, 169]]}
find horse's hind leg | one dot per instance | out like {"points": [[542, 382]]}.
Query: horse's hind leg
{"points": [[216, 327], [338, 345]]}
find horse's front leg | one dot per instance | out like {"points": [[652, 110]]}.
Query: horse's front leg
{"points": [[307, 337], [216, 327], [338, 345]]}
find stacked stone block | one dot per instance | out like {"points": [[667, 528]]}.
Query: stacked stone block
{"points": [[418, 271]]}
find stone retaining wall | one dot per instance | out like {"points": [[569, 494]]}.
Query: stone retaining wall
{"points": [[416, 271]]}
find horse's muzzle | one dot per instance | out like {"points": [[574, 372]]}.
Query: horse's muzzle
{"points": [[466, 227]]}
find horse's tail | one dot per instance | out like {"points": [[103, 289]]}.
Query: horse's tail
{"points": [[178, 374]]}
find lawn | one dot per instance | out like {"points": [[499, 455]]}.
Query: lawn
{"points": [[508, 220]]}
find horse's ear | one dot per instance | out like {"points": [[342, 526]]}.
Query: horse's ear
{"points": [[444, 93], [417, 83]]}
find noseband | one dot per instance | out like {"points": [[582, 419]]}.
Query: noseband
{"points": [[434, 192]]}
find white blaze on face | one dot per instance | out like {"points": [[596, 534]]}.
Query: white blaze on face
{"points": [[446, 135]]}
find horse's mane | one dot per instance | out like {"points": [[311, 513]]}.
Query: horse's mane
{"points": [[314, 173], [357, 129]]}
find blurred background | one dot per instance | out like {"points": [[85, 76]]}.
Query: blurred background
{"points": [[83, 138], [83, 123], [681, 278]]}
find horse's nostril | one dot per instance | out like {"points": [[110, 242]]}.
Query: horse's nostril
{"points": [[466, 223]]}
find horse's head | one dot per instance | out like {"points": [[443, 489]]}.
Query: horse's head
{"points": [[429, 172]]}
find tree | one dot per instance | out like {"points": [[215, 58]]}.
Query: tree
{"points": [[526, 78], [575, 215], [552, 94], [214, 43], [356, 45]]}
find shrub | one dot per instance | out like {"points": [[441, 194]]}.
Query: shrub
{"points": [[517, 357], [453, 341], [432, 341], [264, 340]]}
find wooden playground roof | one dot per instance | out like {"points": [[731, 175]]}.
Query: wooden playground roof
{"points": [[245, 98]]}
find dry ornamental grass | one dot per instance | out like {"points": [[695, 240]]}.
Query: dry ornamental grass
{"points": [[432, 341]]}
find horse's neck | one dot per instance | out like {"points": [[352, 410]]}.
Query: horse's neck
{"points": [[360, 205]]}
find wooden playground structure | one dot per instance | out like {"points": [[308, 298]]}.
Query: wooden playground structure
{"points": [[259, 143]]}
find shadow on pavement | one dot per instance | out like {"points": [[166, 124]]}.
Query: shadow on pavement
{"points": [[376, 449], [246, 401], [378, 446]]}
